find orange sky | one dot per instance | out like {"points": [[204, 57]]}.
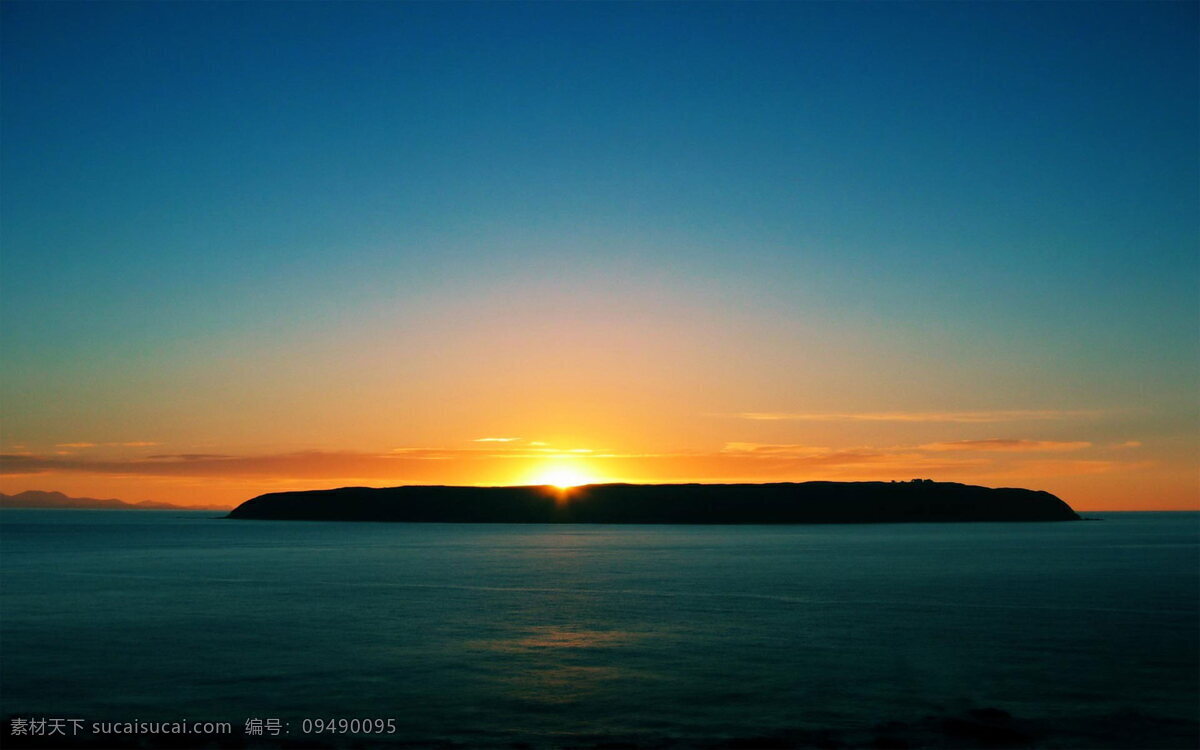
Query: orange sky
{"points": [[1089, 475], [649, 380], [656, 378]]}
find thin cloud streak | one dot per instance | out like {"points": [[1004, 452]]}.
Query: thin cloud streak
{"points": [[1059, 468], [970, 417], [769, 450], [131, 444], [1008, 445]]}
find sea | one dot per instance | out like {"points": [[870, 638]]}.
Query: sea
{"points": [[1059, 634]]}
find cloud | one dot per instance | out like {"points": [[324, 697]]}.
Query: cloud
{"points": [[1007, 445], [896, 462], [970, 461], [953, 416], [1055, 467], [398, 465], [773, 450], [549, 453], [496, 440], [131, 444], [1128, 444], [309, 464], [428, 454]]}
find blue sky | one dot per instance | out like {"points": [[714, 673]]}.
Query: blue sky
{"points": [[996, 203]]}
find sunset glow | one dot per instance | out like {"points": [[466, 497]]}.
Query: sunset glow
{"points": [[563, 477]]}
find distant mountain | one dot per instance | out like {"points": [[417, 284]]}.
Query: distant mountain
{"points": [[40, 499], [807, 502]]}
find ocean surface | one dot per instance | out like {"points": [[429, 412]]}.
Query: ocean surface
{"points": [[490, 635]]}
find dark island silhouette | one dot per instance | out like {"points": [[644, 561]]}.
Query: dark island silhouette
{"points": [[47, 500], [920, 500]]}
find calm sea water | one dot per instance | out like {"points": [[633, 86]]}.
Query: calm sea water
{"points": [[492, 634]]}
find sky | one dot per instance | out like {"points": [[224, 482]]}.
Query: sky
{"points": [[256, 247]]}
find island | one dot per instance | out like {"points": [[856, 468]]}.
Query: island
{"points": [[920, 500], [49, 500]]}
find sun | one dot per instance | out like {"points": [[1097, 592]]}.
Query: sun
{"points": [[563, 477]]}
